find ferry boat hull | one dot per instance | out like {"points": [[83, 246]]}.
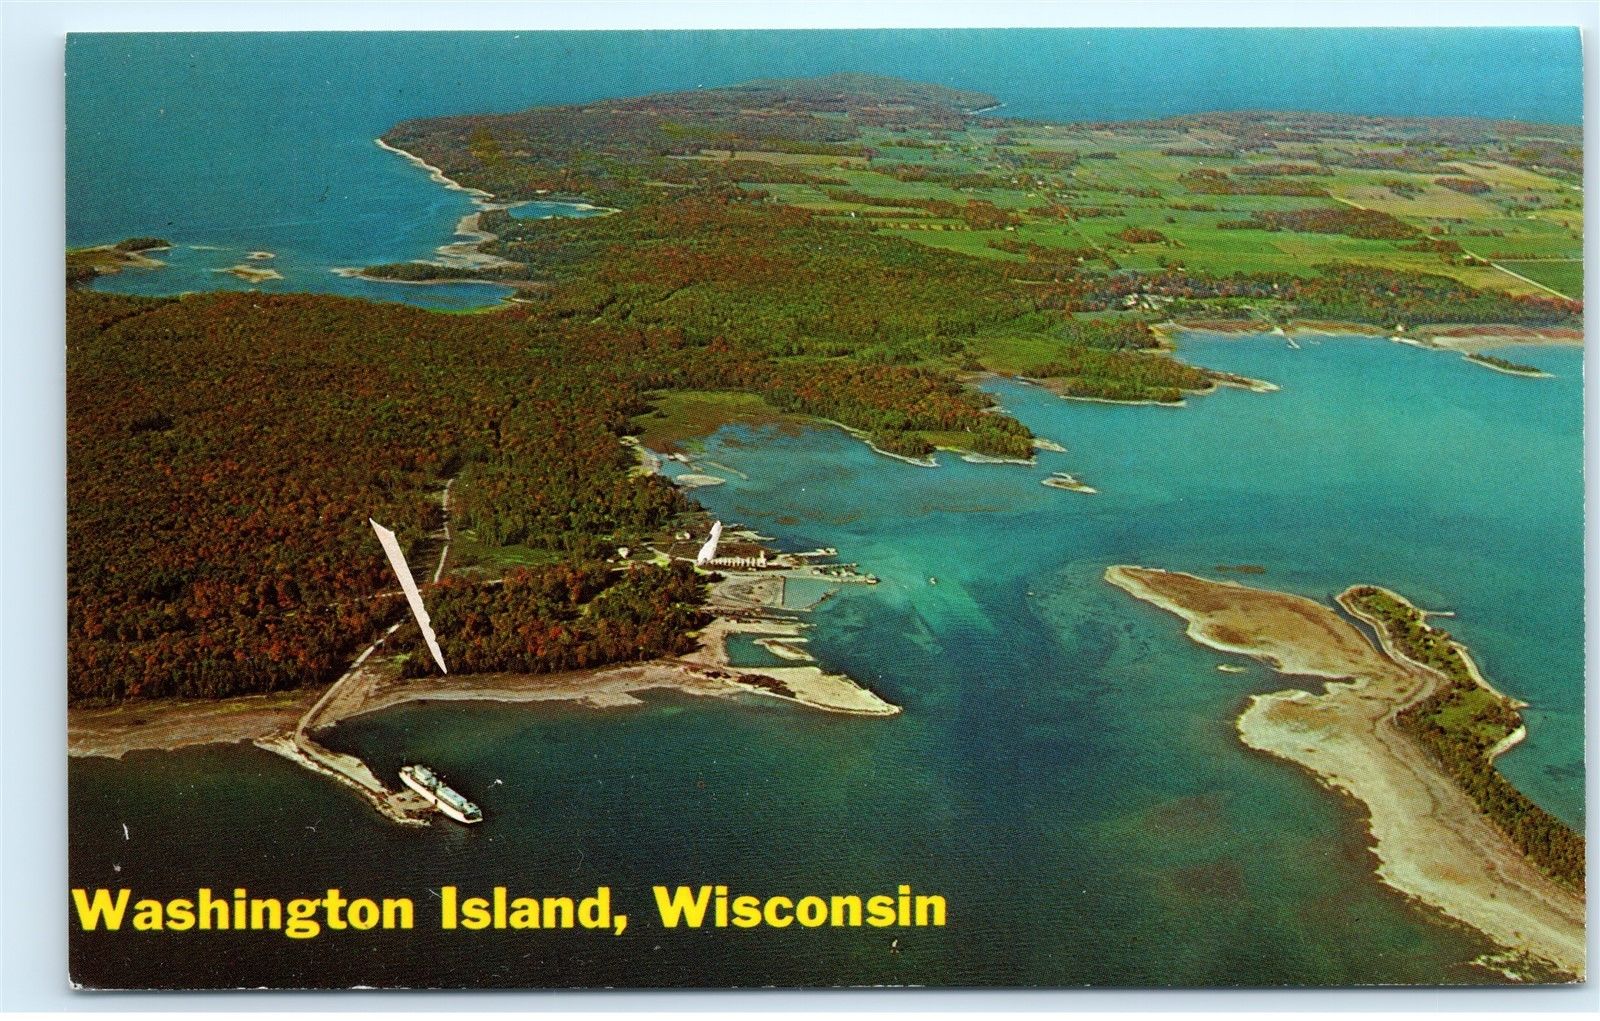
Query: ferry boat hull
{"points": [[440, 796]]}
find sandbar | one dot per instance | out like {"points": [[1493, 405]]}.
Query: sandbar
{"points": [[252, 274], [1430, 839], [695, 480], [1528, 371], [1063, 480]]}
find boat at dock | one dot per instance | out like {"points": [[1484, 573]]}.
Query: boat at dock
{"points": [[440, 794]]}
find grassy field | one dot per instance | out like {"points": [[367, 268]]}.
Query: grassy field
{"points": [[676, 420], [468, 555], [797, 159], [1014, 353], [1463, 715], [1529, 221], [1564, 275]]}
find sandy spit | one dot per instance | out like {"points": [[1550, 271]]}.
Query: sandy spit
{"points": [[1430, 841]]}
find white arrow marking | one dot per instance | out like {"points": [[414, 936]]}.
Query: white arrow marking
{"points": [[397, 560]]}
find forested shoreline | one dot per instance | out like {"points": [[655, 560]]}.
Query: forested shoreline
{"points": [[1461, 726], [225, 450]]}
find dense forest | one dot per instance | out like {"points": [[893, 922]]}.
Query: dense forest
{"points": [[1114, 375], [225, 450], [1460, 724], [612, 150], [549, 619]]}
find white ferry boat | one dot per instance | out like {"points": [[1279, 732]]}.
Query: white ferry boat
{"points": [[439, 794]]}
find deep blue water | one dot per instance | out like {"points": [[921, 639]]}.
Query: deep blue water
{"points": [[254, 142]]}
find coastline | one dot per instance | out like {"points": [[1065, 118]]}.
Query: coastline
{"points": [[1382, 635], [434, 173], [467, 254], [1215, 380], [1430, 840], [1434, 336], [360, 273], [113, 731], [288, 723], [109, 260], [1044, 384], [1527, 373]]}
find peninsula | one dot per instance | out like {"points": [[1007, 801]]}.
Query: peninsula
{"points": [[1410, 729], [85, 264]]}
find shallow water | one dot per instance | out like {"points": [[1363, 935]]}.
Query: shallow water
{"points": [[549, 210], [1065, 771]]}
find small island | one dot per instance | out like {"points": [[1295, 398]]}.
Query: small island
{"points": [[85, 264], [1506, 366], [1063, 480], [252, 274]]}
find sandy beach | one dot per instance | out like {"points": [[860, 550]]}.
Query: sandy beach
{"points": [[251, 274], [466, 254], [181, 723], [434, 173], [808, 685], [1441, 336], [289, 724], [1478, 338], [1071, 483], [1430, 840]]}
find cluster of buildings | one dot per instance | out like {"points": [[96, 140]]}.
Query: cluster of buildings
{"points": [[707, 557], [756, 563]]}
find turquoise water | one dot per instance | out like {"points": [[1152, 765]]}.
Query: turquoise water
{"points": [[1065, 770], [744, 652], [264, 142], [204, 268], [1457, 486], [548, 210]]}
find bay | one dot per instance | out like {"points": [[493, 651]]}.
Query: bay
{"points": [[1065, 771]]}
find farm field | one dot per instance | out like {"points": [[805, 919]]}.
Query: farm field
{"points": [[1162, 195]]}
